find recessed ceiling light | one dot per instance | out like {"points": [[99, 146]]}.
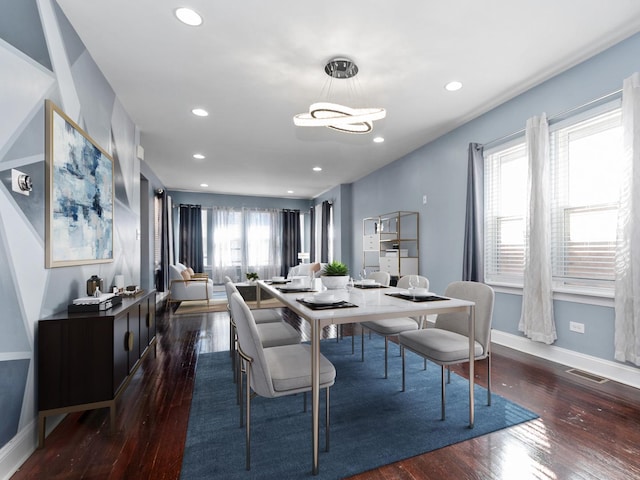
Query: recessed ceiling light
{"points": [[317, 169], [289, 191], [204, 185], [200, 112], [453, 86], [188, 16], [378, 139], [198, 156]]}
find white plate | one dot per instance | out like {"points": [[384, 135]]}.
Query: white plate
{"points": [[321, 300], [419, 292]]}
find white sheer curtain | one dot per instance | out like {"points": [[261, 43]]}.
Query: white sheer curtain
{"points": [[627, 284], [246, 240], [536, 320], [226, 232], [262, 242]]}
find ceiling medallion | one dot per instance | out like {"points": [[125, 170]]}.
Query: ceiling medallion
{"points": [[339, 117]]}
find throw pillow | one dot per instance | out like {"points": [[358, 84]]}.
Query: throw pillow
{"points": [[186, 275]]}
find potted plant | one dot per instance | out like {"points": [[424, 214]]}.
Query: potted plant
{"points": [[252, 277], [335, 275]]}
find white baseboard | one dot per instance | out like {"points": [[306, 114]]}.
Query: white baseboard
{"points": [[617, 372], [20, 447]]}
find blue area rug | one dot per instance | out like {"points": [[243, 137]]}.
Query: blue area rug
{"points": [[373, 423]]}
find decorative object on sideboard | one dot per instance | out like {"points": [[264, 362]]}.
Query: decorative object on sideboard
{"points": [[94, 283], [118, 282]]}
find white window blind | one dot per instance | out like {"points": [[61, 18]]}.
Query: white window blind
{"points": [[586, 158], [505, 207]]}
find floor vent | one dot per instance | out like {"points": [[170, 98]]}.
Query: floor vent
{"points": [[587, 376]]}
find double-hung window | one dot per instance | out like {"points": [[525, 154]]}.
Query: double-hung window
{"points": [[585, 158]]}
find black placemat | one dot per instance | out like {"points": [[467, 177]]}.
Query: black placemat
{"points": [[370, 286], [296, 290], [326, 306], [419, 298], [277, 282]]}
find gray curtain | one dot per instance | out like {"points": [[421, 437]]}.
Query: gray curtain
{"points": [[324, 234], [312, 234], [162, 273], [291, 242], [191, 253], [473, 259]]}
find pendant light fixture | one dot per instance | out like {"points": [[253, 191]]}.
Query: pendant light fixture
{"points": [[335, 116]]}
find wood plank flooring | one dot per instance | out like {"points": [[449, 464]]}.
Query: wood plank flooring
{"points": [[585, 430]]}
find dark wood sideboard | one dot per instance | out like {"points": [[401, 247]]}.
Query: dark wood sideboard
{"points": [[86, 360]]}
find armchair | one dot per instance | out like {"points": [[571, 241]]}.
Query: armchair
{"points": [[183, 287]]}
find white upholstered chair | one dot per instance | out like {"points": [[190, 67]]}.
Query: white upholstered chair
{"points": [[183, 287], [390, 327], [276, 371], [448, 343]]}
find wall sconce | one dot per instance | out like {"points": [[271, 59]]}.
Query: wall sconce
{"points": [[21, 182]]}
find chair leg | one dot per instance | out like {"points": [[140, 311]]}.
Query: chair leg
{"points": [[353, 338], [489, 379], [448, 374], [326, 422], [442, 399], [248, 430], [240, 389], [304, 402], [402, 355], [386, 354], [362, 343]]}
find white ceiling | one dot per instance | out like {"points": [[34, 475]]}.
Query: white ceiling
{"points": [[254, 64]]}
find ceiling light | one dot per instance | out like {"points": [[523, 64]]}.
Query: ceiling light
{"points": [[317, 169], [453, 86], [200, 112], [378, 140], [198, 156], [336, 116], [188, 16], [289, 191], [204, 185]]}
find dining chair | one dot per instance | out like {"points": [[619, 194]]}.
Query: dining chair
{"points": [[276, 371], [390, 327], [383, 278], [448, 342]]}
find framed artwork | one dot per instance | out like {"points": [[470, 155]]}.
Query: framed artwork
{"points": [[79, 194]]}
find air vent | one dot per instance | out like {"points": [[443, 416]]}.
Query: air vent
{"points": [[587, 376]]}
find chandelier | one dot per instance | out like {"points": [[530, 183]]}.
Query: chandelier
{"points": [[336, 116]]}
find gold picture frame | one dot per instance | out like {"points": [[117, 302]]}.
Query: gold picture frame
{"points": [[79, 194]]}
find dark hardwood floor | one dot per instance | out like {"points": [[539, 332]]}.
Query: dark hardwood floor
{"points": [[585, 430]]}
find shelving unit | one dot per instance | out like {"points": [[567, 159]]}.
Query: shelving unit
{"points": [[390, 243]]}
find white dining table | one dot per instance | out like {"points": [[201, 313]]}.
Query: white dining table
{"points": [[371, 304]]}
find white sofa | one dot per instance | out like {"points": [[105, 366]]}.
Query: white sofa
{"points": [[184, 287]]}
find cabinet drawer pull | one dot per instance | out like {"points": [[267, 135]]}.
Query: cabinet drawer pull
{"points": [[128, 341]]}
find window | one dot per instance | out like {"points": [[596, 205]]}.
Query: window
{"points": [[585, 161], [505, 209], [242, 240]]}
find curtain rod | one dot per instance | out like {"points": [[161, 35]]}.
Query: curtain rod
{"points": [[177, 205], [556, 116]]}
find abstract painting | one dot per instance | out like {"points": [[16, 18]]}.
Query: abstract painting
{"points": [[79, 196]]}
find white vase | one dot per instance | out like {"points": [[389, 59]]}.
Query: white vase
{"points": [[334, 282]]}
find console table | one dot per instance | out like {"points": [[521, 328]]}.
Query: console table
{"points": [[86, 360]]}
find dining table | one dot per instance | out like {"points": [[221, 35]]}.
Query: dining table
{"points": [[359, 303]]}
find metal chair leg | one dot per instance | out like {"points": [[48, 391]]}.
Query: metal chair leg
{"points": [[362, 343], [402, 355], [443, 390], [386, 354], [326, 422], [489, 379], [248, 430]]}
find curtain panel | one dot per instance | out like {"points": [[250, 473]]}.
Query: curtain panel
{"points": [[537, 321], [191, 253], [312, 234], [324, 233], [291, 241], [162, 271], [627, 258], [473, 255]]}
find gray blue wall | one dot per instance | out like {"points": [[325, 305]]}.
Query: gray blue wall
{"points": [[41, 57], [439, 171]]}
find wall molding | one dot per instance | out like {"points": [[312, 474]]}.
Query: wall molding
{"points": [[20, 447], [618, 372]]}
